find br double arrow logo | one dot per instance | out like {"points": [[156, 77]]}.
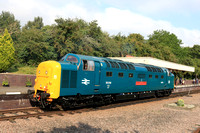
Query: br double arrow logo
{"points": [[85, 81]]}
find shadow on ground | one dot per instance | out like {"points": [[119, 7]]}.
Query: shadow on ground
{"points": [[80, 128]]}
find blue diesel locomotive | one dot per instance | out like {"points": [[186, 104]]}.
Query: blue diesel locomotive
{"points": [[79, 79]]}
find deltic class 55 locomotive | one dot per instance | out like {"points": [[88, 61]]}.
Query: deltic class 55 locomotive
{"points": [[78, 79]]}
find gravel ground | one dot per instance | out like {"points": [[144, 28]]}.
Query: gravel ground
{"points": [[151, 117]]}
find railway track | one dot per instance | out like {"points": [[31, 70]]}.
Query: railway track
{"points": [[24, 113]]}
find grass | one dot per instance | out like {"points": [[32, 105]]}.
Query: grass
{"points": [[23, 70]]}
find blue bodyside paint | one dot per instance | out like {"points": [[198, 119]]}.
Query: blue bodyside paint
{"points": [[96, 82]]}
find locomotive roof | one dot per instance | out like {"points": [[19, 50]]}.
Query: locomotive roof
{"points": [[150, 68]]}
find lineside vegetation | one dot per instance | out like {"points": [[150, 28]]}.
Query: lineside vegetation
{"points": [[35, 42]]}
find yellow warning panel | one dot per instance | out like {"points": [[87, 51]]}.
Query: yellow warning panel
{"points": [[48, 78]]}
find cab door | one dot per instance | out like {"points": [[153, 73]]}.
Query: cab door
{"points": [[97, 73]]}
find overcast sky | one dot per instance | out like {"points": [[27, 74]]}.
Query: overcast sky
{"points": [[181, 17]]}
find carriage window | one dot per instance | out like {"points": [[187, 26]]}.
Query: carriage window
{"points": [[156, 76], [109, 74], [72, 59], [88, 65], [120, 74], [130, 75], [150, 76]]}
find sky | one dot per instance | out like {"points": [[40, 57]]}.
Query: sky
{"points": [[181, 17]]}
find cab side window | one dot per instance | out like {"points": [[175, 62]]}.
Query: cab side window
{"points": [[88, 65]]}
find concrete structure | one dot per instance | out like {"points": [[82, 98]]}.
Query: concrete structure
{"points": [[156, 62], [16, 79]]}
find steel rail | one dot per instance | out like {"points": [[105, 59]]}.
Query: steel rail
{"points": [[38, 112]]}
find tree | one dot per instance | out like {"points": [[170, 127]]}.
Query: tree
{"points": [[34, 47], [67, 35], [35, 43], [7, 51], [195, 51], [95, 31], [37, 23], [80, 37], [7, 20], [165, 38], [130, 45], [137, 45]]}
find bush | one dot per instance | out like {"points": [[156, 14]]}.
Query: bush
{"points": [[28, 82], [7, 51], [5, 82], [180, 102]]}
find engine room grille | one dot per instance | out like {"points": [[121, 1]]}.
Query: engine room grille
{"points": [[65, 79], [69, 79], [73, 79]]}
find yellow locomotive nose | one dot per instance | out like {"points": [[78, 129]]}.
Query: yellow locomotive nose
{"points": [[48, 78]]}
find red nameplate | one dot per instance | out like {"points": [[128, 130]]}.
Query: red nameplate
{"points": [[141, 83]]}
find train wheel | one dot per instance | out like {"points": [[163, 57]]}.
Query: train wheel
{"points": [[168, 92], [160, 94], [33, 103], [65, 105], [32, 100]]}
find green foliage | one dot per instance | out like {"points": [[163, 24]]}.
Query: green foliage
{"points": [[78, 36], [5, 82], [35, 43], [195, 51], [180, 102], [166, 38], [168, 42], [6, 51], [8, 21], [23, 69], [28, 82], [37, 23]]}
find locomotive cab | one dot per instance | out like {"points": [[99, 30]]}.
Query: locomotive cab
{"points": [[50, 79], [47, 83]]}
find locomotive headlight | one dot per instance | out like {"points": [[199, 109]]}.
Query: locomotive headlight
{"points": [[46, 72], [55, 76], [39, 72]]}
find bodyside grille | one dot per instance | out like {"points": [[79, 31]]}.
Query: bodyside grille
{"points": [[73, 79], [69, 79]]}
